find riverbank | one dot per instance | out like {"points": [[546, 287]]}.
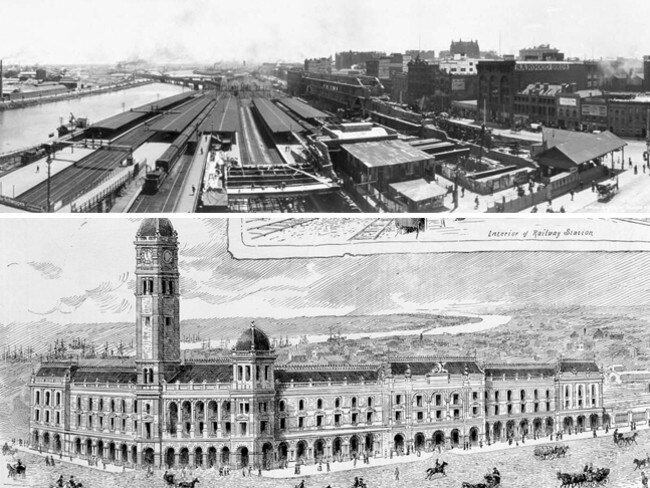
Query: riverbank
{"points": [[30, 102]]}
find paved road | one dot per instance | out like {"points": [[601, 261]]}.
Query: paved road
{"points": [[518, 466]]}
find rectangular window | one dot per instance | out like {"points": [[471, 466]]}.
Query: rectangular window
{"points": [[319, 420], [112, 423], [496, 410], [168, 322], [301, 422], [474, 411], [509, 409], [227, 428], [263, 427], [398, 416], [78, 420], [398, 399], [369, 418], [418, 401], [456, 413], [147, 430], [475, 395], [283, 423], [355, 417], [242, 428], [337, 420], [420, 416], [123, 425]]}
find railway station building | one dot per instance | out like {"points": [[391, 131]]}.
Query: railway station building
{"points": [[245, 409]]}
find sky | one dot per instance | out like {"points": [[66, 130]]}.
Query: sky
{"points": [[82, 271], [207, 31]]}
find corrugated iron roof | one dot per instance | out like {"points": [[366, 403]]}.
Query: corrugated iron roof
{"points": [[181, 117], [197, 373], [325, 375]]}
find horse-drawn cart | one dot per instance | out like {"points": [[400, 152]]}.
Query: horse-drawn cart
{"points": [[550, 452]]}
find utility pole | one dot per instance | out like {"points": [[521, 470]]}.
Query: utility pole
{"points": [[49, 164]]}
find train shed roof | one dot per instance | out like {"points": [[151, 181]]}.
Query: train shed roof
{"points": [[302, 109], [275, 119], [224, 117]]}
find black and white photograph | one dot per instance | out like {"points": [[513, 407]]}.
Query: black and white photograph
{"points": [[160, 106]]}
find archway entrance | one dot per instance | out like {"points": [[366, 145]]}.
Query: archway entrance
{"points": [[354, 446], [581, 423], [606, 421], [111, 451], [242, 456], [148, 457], [473, 435], [100, 449], [283, 454], [399, 443], [57, 443], [549, 425], [77, 446], [212, 456], [537, 427], [267, 455], [46, 440], [124, 453], [510, 429], [336, 447], [419, 441], [523, 427], [593, 421], [198, 457], [225, 456], [568, 424], [319, 449], [184, 456], [497, 429], [170, 458], [370, 443], [301, 451], [438, 438], [455, 438]]}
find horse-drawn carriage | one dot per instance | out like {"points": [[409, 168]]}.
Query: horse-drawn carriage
{"points": [[591, 477], [550, 452], [492, 480], [622, 440], [607, 189]]}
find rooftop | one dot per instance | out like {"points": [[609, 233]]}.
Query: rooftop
{"points": [[276, 120], [224, 117], [385, 153], [543, 89], [566, 149], [302, 109], [418, 190]]}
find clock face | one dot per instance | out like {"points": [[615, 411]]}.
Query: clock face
{"points": [[146, 255], [168, 256]]}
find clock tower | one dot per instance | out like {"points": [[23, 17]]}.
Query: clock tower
{"points": [[157, 301]]}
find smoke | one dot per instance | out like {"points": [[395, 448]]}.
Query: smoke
{"points": [[620, 66]]}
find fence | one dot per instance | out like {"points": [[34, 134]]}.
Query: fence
{"points": [[554, 189]]}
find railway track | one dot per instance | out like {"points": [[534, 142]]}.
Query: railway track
{"points": [[166, 198], [267, 228]]}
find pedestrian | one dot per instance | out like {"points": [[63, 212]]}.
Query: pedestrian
{"points": [[38, 169], [644, 480], [572, 193], [593, 185], [193, 189], [562, 209], [397, 474], [636, 169], [476, 203]]}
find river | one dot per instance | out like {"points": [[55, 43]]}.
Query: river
{"points": [[29, 126]]}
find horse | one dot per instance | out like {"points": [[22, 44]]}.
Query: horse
{"points": [[641, 463], [188, 484], [571, 479], [598, 476], [436, 469], [491, 481], [169, 479], [12, 471]]}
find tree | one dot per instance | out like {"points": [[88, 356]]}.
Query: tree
{"points": [[41, 74]]}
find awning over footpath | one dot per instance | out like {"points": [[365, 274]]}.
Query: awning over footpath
{"points": [[567, 149]]}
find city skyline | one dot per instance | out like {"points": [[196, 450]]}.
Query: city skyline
{"points": [[169, 32]]}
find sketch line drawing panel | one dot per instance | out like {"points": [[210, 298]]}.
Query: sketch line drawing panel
{"points": [[454, 369], [311, 237]]}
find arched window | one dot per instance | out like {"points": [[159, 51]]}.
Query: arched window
{"points": [[112, 405], [47, 398], [78, 403], [319, 404], [58, 398], [301, 405], [369, 402], [337, 403], [353, 402], [38, 397], [281, 406]]}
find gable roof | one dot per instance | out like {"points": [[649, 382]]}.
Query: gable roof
{"points": [[566, 149]]}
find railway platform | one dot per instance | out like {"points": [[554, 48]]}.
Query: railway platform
{"points": [[191, 185]]}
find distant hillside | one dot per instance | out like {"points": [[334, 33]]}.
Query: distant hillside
{"points": [[40, 334]]}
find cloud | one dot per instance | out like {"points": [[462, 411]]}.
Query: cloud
{"points": [[48, 270]]}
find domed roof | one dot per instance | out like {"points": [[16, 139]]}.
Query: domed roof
{"points": [[253, 339], [156, 228]]}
